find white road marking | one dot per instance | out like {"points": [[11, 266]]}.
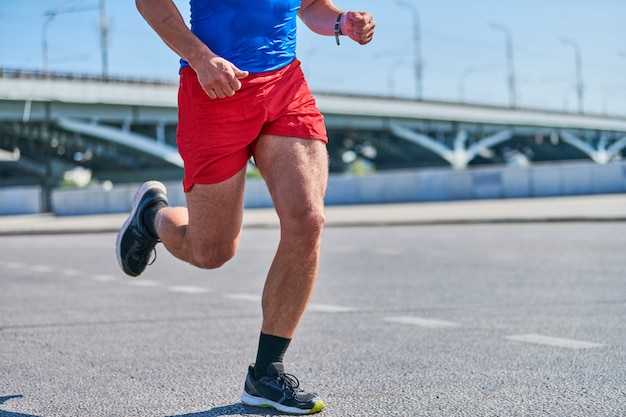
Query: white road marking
{"points": [[14, 265], [328, 308], [70, 272], [143, 283], [421, 321], [325, 308], [104, 278], [554, 341], [188, 289], [244, 297], [40, 268]]}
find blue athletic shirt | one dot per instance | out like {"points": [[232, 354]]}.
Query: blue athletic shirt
{"points": [[255, 35]]}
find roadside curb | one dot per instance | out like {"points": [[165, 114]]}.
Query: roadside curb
{"points": [[596, 208]]}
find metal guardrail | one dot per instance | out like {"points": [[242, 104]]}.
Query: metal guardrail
{"points": [[49, 75]]}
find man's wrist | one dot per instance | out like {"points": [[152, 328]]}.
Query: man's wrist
{"points": [[198, 56]]}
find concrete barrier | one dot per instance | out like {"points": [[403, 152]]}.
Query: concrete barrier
{"points": [[541, 180], [438, 184], [100, 199], [20, 200], [606, 179], [257, 195], [515, 183]]}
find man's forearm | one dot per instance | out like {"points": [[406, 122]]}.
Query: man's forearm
{"points": [[319, 16], [165, 18]]}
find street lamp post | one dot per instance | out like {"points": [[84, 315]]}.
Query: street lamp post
{"points": [[579, 72], [509, 60], [104, 32], [417, 47], [49, 15], [104, 37]]}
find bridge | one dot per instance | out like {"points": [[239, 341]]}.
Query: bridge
{"points": [[123, 130]]}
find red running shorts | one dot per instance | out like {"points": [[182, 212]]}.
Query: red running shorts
{"points": [[216, 137]]}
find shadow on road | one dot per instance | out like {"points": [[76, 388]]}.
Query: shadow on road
{"points": [[236, 409], [3, 413]]}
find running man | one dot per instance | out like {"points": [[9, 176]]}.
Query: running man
{"points": [[242, 94]]}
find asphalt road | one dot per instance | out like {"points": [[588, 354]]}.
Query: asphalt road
{"points": [[500, 319]]}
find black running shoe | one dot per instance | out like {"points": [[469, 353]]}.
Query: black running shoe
{"points": [[280, 391], [135, 243]]}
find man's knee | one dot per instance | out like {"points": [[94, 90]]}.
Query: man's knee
{"points": [[306, 224], [213, 257], [313, 222]]}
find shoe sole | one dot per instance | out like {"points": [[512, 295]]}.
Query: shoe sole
{"points": [[145, 187], [253, 401]]}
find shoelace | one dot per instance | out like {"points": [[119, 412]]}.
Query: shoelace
{"points": [[289, 382], [141, 246]]}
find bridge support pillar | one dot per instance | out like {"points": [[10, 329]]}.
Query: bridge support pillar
{"points": [[602, 154], [460, 155]]}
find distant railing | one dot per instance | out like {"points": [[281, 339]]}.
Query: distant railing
{"points": [[49, 75], [42, 75]]}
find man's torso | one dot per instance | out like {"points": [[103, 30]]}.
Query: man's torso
{"points": [[256, 36]]}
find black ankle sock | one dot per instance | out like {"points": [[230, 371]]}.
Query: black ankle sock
{"points": [[271, 349], [149, 214]]}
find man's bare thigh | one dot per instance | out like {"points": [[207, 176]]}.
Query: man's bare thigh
{"points": [[295, 170], [216, 212]]}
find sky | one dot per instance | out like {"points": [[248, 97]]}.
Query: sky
{"points": [[464, 57]]}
